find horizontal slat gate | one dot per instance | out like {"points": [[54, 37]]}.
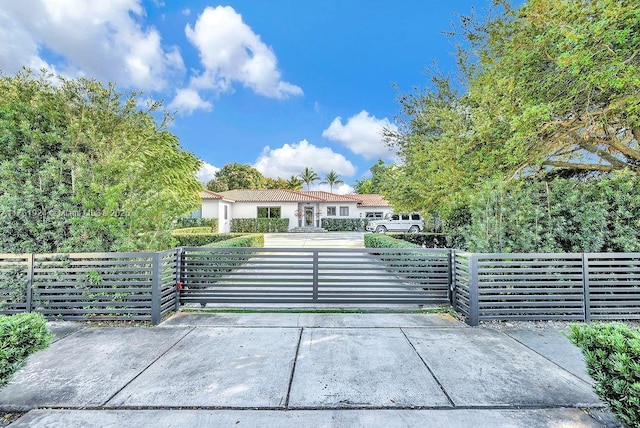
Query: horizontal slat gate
{"points": [[314, 275]]}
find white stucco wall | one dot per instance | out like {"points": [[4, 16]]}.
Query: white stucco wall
{"points": [[250, 210], [210, 208]]}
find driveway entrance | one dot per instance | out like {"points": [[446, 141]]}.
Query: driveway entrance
{"points": [[310, 269]]}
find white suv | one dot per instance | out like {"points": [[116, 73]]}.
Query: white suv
{"points": [[402, 222]]}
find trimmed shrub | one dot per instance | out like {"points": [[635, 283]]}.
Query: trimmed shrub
{"points": [[253, 240], [427, 240], [194, 236], [259, 225], [211, 223], [612, 352], [344, 224], [377, 240], [20, 336]]}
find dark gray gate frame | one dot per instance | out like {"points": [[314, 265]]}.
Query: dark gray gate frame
{"points": [[320, 273]]}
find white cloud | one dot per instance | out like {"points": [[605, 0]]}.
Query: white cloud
{"points": [[231, 52], [291, 159], [187, 100], [101, 39], [207, 172], [362, 134]]}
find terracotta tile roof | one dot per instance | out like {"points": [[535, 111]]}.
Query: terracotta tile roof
{"points": [[268, 195], [208, 194], [282, 195], [330, 197], [372, 200]]}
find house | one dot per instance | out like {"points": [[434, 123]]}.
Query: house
{"points": [[302, 208]]}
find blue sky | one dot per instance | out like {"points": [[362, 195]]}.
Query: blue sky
{"points": [[278, 84]]}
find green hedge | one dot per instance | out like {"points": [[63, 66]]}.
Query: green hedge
{"points": [[259, 225], [428, 240], [194, 236], [252, 240], [612, 352], [20, 336], [378, 240], [344, 224], [211, 223]]}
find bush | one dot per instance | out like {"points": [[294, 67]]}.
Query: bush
{"points": [[427, 240], [259, 225], [193, 236], [20, 336], [344, 224], [253, 240], [211, 223], [560, 215], [377, 240], [612, 352]]}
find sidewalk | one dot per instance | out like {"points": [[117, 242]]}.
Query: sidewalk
{"points": [[303, 370]]}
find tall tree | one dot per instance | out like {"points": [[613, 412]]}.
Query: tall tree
{"points": [[84, 168], [309, 176], [294, 183], [236, 176], [332, 178], [373, 184], [550, 85]]}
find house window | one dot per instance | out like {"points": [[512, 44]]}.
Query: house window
{"points": [[226, 212], [268, 212], [331, 211], [344, 211], [373, 215]]}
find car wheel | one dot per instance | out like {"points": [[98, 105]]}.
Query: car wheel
{"points": [[414, 229], [381, 229]]}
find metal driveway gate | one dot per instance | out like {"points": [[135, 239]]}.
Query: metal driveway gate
{"points": [[314, 275]]}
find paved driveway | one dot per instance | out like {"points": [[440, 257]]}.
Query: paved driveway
{"points": [[314, 240]]}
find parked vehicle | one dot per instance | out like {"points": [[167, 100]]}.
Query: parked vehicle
{"points": [[401, 222]]}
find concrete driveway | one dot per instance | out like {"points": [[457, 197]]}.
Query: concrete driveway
{"points": [[314, 240], [333, 370]]}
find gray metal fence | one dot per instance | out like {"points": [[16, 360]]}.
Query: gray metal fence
{"points": [[572, 286], [314, 275], [147, 286], [90, 286]]}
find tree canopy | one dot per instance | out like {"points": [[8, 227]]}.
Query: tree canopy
{"points": [[237, 176], [551, 85], [84, 168]]}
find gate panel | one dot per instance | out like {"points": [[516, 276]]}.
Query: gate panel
{"points": [[315, 275]]}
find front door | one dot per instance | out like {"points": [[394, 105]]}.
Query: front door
{"points": [[308, 216]]}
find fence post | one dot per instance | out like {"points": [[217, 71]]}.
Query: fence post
{"points": [[155, 288], [586, 300], [473, 290], [452, 278], [315, 274], [29, 290], [179, 252]]}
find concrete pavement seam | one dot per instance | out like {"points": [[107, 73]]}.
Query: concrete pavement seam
{"points": [[542, 355], [148, 365], [328, 407], [293, 369], [428, 368]]}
